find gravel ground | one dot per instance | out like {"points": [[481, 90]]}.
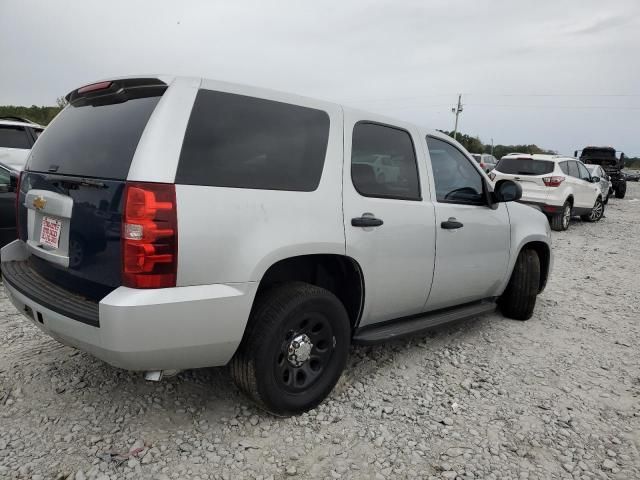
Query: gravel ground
{"points": [[555, 397]]}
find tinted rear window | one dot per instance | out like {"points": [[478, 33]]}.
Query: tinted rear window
{"points": [[93, 141], [14, 137], [524, 166], [246, 142], [598, 153]]}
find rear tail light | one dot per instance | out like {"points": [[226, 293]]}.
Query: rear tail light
{"points": [[492, 176], [18, 185], [149, 236], [94, 87], [552, 181]]}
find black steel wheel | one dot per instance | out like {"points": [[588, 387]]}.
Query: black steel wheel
{"points": [[294, 349]]}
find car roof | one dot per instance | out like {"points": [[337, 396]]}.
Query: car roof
{"points": [[18, 122], [541, 156], [244, 89]]}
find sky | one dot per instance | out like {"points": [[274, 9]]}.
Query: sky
{"points": [[558, 73]]}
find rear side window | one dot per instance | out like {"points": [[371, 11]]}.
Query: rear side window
{"points": [[93, 141], [246, 142], [524, 166], [383, 162], [573, 169], [14, 137], [564, 167]]}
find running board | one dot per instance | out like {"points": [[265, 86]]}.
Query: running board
{"points": [[377, 333]]}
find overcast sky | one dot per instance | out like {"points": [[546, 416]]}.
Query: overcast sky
{"points": [[558, 73]]}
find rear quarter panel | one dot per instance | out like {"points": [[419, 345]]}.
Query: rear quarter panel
{"points": [[229, 235]]}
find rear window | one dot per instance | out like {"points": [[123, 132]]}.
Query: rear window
{"points": [[93, 141], [14, 137], [524, 166], [246, 142], [598, 153]]}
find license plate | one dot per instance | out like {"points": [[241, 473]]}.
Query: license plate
{"points": [[50, 232]]}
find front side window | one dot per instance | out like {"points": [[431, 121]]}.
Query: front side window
{"points": [[14, 137], [456, 179], [383, 162], [246, 142]]}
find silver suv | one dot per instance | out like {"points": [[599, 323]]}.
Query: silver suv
{"points": [[174, 223]]}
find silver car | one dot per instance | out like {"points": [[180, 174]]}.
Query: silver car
{"points": [[605, 185], [170, 223]]}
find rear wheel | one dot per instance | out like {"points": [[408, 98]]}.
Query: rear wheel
{"points": [[294, 350], [519, 299], [596, 212], [621, 190], [560, 221]]}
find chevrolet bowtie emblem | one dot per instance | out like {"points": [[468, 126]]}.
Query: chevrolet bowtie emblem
{"points": [[39, 203]]}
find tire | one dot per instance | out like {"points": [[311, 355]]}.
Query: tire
{"points": [[621, 190], [597, 212], [519, 298], [265, 366], [560, 221]]}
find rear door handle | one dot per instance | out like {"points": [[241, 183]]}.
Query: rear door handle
{"points": [[366, 221], [451, 224]]}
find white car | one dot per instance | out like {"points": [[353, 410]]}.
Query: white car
{"points": [[486, 161], [606, 186], [560, 186], [17, 136], [171, 223]]}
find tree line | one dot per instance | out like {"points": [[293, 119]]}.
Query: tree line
{"points": [[43, 115], [475, 145]]}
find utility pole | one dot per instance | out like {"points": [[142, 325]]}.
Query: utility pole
{"points": [[457, 110]]}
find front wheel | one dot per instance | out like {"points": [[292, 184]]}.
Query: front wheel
{"points": [[294, 350], [519, 298], [621, 190], [596, 212]]}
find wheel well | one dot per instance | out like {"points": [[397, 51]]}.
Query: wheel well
{"points": [[544, 254], [570, 199], [339, 274]]}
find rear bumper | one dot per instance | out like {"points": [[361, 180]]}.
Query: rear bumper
{"points": [[159, 329], [544, 207]]}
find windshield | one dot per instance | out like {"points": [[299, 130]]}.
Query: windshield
{"points": [[524, 166]]}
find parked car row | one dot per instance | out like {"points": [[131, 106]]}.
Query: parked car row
{"points": [[238, 226], [17, 136], [561, 187]]}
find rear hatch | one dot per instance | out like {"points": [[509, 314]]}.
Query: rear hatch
{"points": [[605, 157], [529, 173], [71, 194]]}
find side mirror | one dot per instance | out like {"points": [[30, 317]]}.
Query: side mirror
{"points": [[595, 179], [575, 153], [507, 191], [622, 157]]}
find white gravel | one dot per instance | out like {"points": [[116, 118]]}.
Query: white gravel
{"points": [[555, 397]]}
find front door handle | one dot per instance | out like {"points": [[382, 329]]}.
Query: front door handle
{"points": [[366, 221], [451, 224]]}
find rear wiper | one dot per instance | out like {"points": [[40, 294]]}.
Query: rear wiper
{"points": [[88, 182]]}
